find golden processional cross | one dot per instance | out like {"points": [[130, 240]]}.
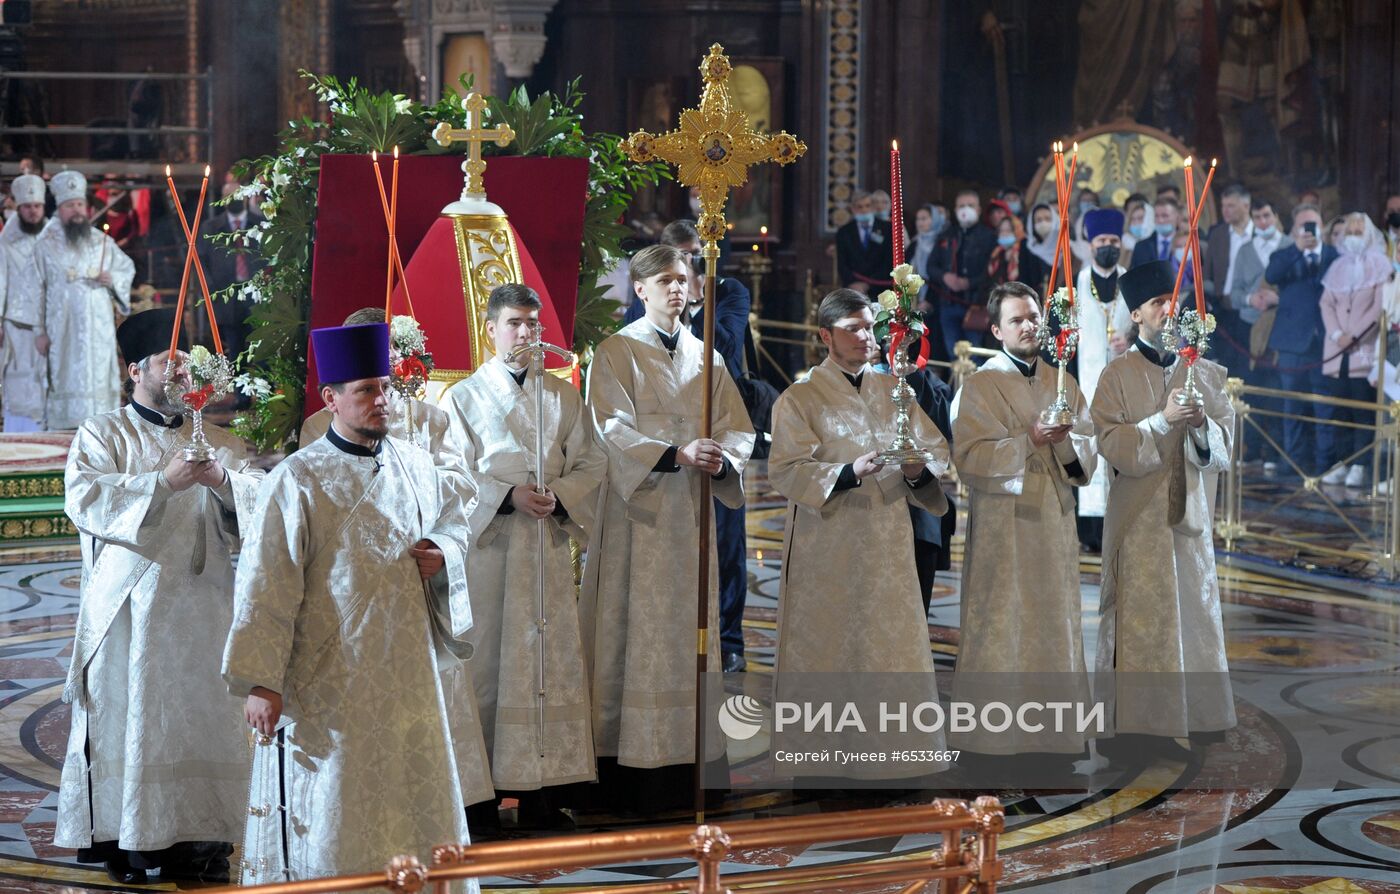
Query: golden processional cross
{"points": [[712, 149], [474, 135]]}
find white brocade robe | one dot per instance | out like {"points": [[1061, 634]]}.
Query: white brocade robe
{"points": [[1160, 632], [850, 589], [25, 373], [493, 421], [428, 427], [638, 604], [78, 317], [330, 612], [167, 744], [1092, 355], [1022, 637]]}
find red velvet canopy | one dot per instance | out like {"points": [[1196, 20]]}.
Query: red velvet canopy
{"points": [[544, 199]]}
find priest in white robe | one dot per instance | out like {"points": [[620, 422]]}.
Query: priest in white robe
{"points": [[638, 602], [422, 424], [1104, 326], [23, 371], [850, 601], [1022, 639], [1160, 632], [87, 279], [333, 628], [493, 420], [156, 772]]}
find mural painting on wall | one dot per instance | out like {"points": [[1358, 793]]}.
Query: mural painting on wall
{"points": [[756, 86]]}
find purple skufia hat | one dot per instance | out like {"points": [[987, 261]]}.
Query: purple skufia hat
{"points": [[350, 353], [1102, 221]]}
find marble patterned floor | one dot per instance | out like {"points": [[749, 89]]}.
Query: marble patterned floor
{"points": [[1298, 798]]}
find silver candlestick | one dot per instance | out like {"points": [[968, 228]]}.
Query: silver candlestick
{"points": [[903, 449]]}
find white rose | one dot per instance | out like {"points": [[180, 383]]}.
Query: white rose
{"points": [[914, 283], [888, 300], [902, 273], [402, 105]]}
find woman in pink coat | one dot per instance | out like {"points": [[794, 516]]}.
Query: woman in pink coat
{"points": [[1351, 307]]}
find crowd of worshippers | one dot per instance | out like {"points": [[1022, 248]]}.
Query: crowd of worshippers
{"points": [[1297, 296], [74, 258], [405, 635]]}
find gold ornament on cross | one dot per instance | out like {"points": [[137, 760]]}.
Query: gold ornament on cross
{"points": [[714, 146], [474, 135]]}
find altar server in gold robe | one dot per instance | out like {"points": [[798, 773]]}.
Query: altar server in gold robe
{"points": [[1160, 632], [638, 604], [850, 600], [1021, 634]]}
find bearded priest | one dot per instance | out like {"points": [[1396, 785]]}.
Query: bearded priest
{"points": [[87, 279], [1160, 631], [335, 628], [638, 604], [157, 534], [1022, 639]]}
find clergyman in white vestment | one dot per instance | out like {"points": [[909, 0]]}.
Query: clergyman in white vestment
{"points": [[24, 371], [493, 418], [334, 628], [156, 773]]}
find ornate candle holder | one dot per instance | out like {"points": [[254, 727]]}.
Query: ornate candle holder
{"points": [[897, 320], [1188, 334], [210, 378], [1063, 343]]}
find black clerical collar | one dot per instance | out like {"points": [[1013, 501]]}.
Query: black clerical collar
{"points": [[1110, 277], [855, 380], [155, 418], [1024, 368], [669, 342], [350, 447], [519, 375], [1154, 356]]}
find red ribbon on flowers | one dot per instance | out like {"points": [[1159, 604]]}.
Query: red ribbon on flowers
{"points": [[411, 368], [196, 400], [898, 332], [1061, 340], [1190, 354]]}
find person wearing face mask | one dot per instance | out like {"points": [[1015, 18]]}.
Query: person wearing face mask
{"points": [[1011, 261], [225, 265], [864, 250], [1351, 305], [1159, 245], [1044, 225], [1011, 197], [1103, 328], [1138, 226], [1253, 332], [956, 270], [1079, 242]]}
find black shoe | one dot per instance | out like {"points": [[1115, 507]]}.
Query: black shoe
{"points": [[734, 663], [120, 871], [484, 820], [536, 813]]}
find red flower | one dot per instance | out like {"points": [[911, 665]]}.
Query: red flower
{"points": [[196, 400], [411, 368], [1190, 355]]}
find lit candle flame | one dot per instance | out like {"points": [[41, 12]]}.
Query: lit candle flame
{"points": [[1188, 161], [1076, 147], [763, 231], [755, 246], [206, 172], [167, 172], [374, 155], [894, 144], [106, 227], [1212, 162], [396, 153]]}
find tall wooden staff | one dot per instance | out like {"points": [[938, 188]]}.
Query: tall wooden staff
{"points": [[712, 149]]}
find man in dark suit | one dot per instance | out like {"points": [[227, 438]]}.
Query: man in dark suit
{"points": [[864, 248], [1166, 218], [957, 268], [732, 305], [933, 534], [1234, 232], [226, 265], [1296, 273]]}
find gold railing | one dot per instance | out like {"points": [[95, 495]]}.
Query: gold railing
{"points": [[964, 858], [1382, 548]]}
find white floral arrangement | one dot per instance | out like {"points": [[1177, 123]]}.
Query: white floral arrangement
{"points": [[409, 358], [1188, 333], [899, 314], [211, 377]]}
